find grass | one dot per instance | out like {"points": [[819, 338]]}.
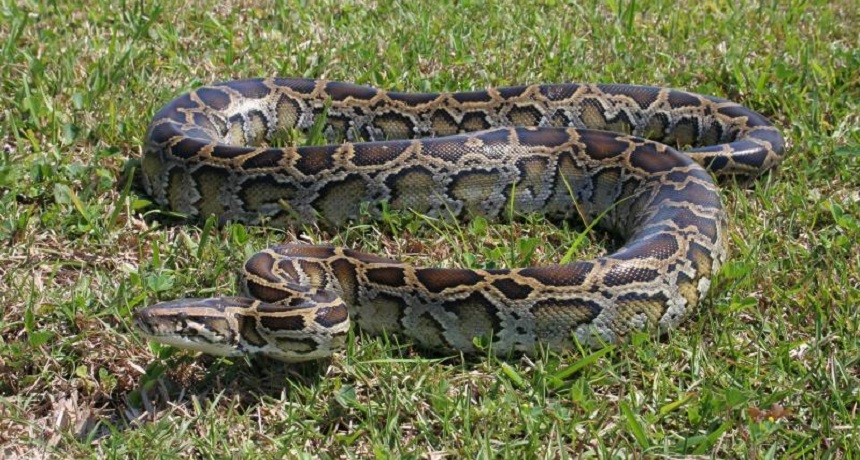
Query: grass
{"points": [[770, 367]]}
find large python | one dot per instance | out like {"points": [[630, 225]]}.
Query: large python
{"points": [[596, 152]]}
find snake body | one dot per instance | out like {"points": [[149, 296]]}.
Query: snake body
{"points": [[596, 152]]}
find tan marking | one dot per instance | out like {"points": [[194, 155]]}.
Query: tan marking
{"points": [[533, 184], [380, 315], [428, 333], [235, 135], [442, 125], [410, 191], [287, 116], [345, 273], [524, 116], [315, 271], [684, 134], [341, 202], [262, 197], [211, 186], [256, 129], [475, 189], [655, 129], [593, 117]]}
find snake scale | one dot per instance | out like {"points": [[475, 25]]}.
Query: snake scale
{"points": [[591, 152]]}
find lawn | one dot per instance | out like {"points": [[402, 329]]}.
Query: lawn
{"points": [[769, 367]]}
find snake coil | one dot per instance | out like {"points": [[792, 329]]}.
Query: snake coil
{"points": [[567, 150]]}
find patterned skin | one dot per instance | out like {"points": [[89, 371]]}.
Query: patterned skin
{"points": [[593, 152]]}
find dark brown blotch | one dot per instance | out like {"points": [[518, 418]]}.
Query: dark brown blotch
{"points": [[471, 96], [260, 264], [680, 176], [472, 304], [163, 132], [215, 98], [264, 189], [559, 92], [543, 137], [701, 257], [686, 132], [772, 136], [644, 96], [378, 153], [448, 148], [175, 110], [268, 158], [625, 273], [331, 316], [297, 347], [736, 111], [602, 145], [203, 122], [526, 115], [231, 151], [438, 279], [388, 276], [367, 258], [252, 89], [661, 246], [315, 271], [475, 306], [442, 123], [495, 137], [315, 251], [315, 159], [685, 219], [713, 160], [319, 296], [266, 293], [554, 314], [573, 274], [187, 148], [692, 192], [343, 91], [753, 154], [682, 99], [288, 270], [282, 323], [512, 91], [344, 271], [511, 289], [299, 85], [200, 133], [413, 98], [647, 158], [639, 297], [248, 330]]}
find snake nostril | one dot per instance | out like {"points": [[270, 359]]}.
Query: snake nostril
{"points": [[140, 320]]}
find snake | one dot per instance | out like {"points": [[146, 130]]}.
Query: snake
{"points": [[641, 163]]}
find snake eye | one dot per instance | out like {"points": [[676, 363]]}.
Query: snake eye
{"points": [[182, 322]]}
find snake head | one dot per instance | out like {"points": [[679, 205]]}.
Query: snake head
{"points": [[206, 325], [307, 328]]}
